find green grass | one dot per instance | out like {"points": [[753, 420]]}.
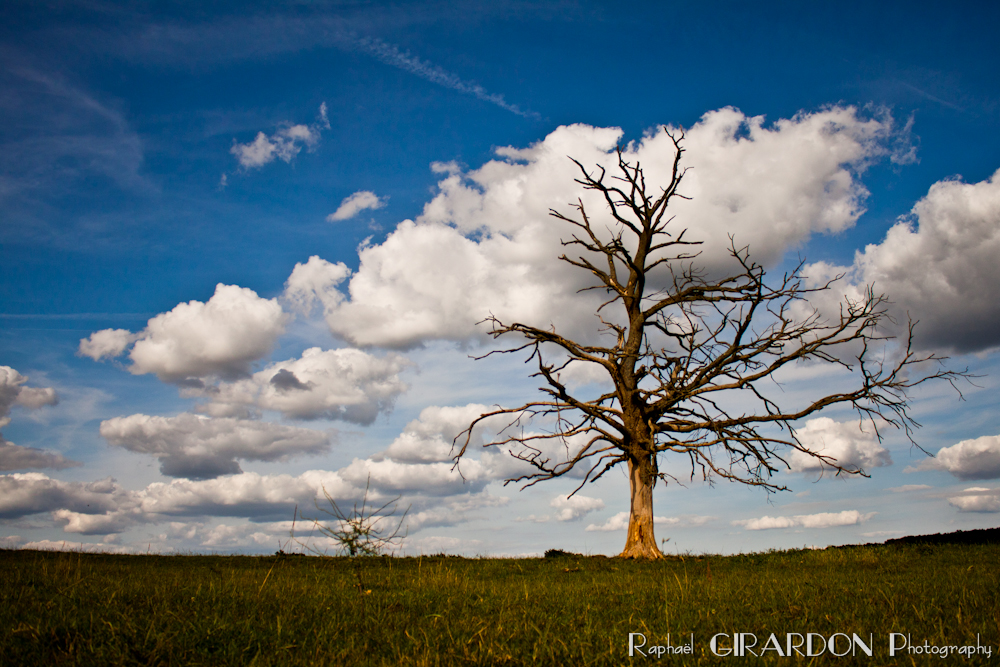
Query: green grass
{"points": [[93, 609]]}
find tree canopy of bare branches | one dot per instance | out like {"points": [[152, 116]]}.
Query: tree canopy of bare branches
{"points": [[685, 342]]}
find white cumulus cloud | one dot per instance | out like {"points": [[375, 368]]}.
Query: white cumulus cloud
{"points": [[978, 458], [220, 337], [575, 507], [22, 494], [345, 384], [620, 522], [13, 392], [434, 495], [107, 523], [487, 244], [202, 448], [284, 144], [231, 535], [315, 281], [937, 265], [16, 457], [249, 495], [354, 204], [844, 442], [107, 343], [435, 479], [977, 499], [429, 438], [429, 512], [821, 520]]}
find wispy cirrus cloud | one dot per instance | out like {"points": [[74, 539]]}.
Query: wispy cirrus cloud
{"points": [[245, 38], [391, 55], [57, 136]]}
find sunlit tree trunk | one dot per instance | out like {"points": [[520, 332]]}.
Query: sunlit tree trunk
{"points": [[641, 542]]}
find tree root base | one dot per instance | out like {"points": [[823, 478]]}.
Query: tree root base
{"points": [[642, 552]]}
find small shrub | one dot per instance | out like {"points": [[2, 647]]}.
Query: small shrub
{"points": [[365, 530], [559, 553]]}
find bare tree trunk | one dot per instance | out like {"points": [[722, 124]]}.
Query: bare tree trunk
{"points": [[641, 542]]}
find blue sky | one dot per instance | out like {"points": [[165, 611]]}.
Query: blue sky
{"points": [[154, 151]]}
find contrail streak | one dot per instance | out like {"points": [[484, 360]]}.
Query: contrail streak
{"points": [[390, 55]]}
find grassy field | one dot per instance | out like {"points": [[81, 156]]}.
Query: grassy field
{"points": [[93, 609]]}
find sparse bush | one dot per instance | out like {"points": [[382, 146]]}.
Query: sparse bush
{"points": [[559, 553], [365, 530]]}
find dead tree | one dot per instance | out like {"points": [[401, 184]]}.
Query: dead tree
{"points": [[685, 342]]}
